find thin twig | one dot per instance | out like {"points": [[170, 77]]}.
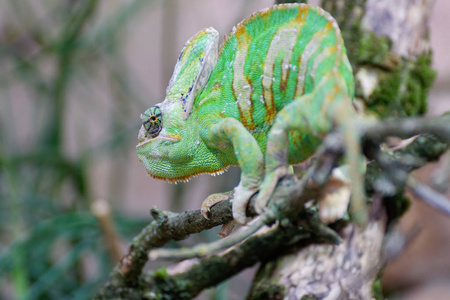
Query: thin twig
{"points": [[407, 127], [101, 209], [441, 177], [219, 245], [428, 195]]}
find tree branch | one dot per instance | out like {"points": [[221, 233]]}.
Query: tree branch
{"points": [[166, 227]]}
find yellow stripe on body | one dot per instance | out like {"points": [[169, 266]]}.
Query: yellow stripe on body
{"points": [[242, 87], [283, 40], [307, 53], [324, 54]]}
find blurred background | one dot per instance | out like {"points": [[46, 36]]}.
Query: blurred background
{"points": [[74, 77]]}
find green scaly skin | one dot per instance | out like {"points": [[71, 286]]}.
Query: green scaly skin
{"points": [[280, 82]]}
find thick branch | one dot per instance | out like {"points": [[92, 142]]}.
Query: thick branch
{"points": [[166, 227]]}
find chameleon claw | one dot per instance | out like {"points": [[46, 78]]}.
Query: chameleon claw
{"points": [[210, 201]]}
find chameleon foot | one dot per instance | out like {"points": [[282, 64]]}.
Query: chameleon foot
{"points": [[268, 186], [212, 200], [241, 197]]}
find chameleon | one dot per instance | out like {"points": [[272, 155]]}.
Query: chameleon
{"points": [[263, 101]]}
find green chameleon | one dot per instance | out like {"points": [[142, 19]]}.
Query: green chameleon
{"points": [[280, 81]]}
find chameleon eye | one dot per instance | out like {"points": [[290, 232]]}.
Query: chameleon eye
{"points": [[151, 120]]}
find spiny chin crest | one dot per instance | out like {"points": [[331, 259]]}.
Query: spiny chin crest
{"points": [[188, 177]]}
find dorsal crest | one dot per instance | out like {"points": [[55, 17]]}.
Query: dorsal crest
{"points": [[194, 66]]}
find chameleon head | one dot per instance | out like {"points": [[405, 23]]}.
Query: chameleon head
{"points": [[170, 146], [167, 143]]}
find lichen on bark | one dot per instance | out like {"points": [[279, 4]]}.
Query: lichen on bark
{"points": [[392, 78]]}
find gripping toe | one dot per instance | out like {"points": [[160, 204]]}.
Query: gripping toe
{"points": [[268, 187], [242, 196], [210, 201]]}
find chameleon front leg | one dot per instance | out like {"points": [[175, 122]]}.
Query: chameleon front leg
{"points": [[250, 159]]}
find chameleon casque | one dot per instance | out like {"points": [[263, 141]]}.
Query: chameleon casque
{"points": [[280, 81]]}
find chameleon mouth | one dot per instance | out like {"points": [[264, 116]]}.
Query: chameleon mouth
{"points": [[161, 139], [155, 148]]}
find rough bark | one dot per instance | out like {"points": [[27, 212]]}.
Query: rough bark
{"points": [[345, 271]]}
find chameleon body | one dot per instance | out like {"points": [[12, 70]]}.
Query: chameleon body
{"points": [[279, 83]]}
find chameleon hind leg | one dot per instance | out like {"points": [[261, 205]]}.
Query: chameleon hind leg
{"points": [[314, 113], [293, 116]]}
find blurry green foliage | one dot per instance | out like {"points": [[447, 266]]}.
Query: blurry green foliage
{"points": [[51, 245]]}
